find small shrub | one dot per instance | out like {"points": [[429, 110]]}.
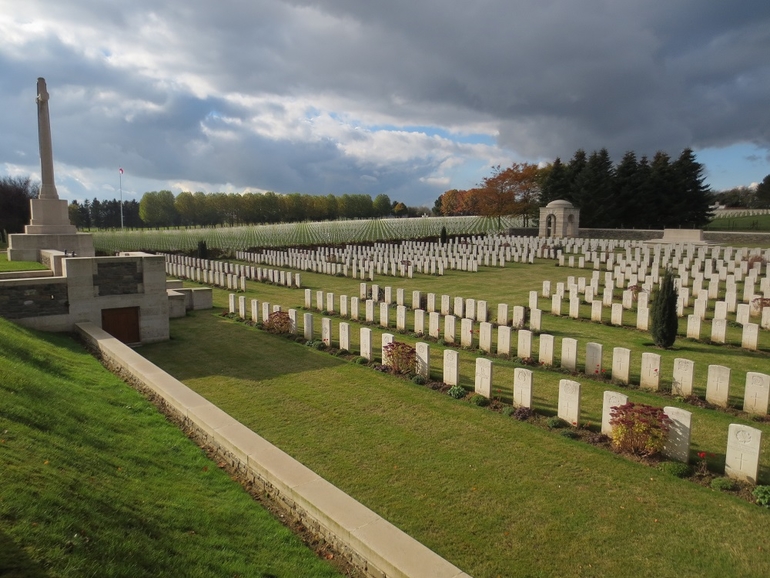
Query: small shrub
{"points": [[509, 410], [723, 484], [555, 422], [676, 469], [456, 391], [278, 322], [523, 413], [479, 400], [568, 433], [361, 360], [762, 494], [639, 429], [418, 379], [320, 345], [401, 357]]}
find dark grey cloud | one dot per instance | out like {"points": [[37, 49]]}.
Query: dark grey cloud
{"points": [[267, 94]]}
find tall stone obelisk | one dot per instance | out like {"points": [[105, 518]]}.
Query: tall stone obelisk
{"points": [[49, 213], [49, 227]]}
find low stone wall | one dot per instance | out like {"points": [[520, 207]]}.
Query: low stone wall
{"points": [[737, 239], [32, 298], [622, 234], [368, 541]]}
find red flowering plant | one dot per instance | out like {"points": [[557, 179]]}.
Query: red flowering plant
{"points": [[639, 429]]}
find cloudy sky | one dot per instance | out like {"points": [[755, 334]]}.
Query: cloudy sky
{"points": [[404, 97]]}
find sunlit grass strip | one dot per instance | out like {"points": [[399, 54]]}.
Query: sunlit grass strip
{"points": [[94, 481], [293, 234]]}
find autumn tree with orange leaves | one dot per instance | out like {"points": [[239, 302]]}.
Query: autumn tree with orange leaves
{"points": [[511, 191]]}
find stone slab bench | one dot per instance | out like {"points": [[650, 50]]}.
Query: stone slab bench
{"points": [[370, 542], [680, 236]]}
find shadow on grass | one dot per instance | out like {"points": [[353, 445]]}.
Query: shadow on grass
{"points": [[206, 345], [14, 561]]}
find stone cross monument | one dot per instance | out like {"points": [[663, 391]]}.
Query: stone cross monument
{"points": [[49, 228], [48, 188]]}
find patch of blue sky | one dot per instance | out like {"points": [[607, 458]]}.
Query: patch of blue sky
{"points": [[734, 166]]}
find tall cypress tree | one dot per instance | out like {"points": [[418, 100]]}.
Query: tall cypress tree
{"points": [[663, 320]]}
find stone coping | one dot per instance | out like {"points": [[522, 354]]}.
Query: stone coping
{"points": [[26, 274], [370, 542]]}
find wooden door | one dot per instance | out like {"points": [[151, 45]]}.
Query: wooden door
{"points": [[122, 323]]}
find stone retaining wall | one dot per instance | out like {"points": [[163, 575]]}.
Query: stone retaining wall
{"points": [[368, 541]]}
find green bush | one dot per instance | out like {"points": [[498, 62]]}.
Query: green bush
{"points": [[639, 429], [723, 484], [456, 391], [676, 469], [762, 494], [555, 422], [509, 410], [418, 379], [479, 400], [568, 433], [361, 360]]}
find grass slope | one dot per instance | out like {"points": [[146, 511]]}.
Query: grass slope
{"points": [[95, 482]]}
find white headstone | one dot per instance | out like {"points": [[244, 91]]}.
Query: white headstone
{"points": [[611, 399], [483, 383], [594, 359], [503, 340], [451, 367], [366, 343], [522, 387], [677, 445], [344, 336], [326, 331], [718, 385], [307, 323], [569, 401], [466, 332], [485, 336], [757, 393], [621, 364], [742, 458], [524, 347], [650, 375], [569, 353], [450, 328], [423, 359], [681, 384], [386, 339], [545, 349]]}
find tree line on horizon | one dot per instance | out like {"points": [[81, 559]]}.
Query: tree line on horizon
{"points": [[635, 193], [163, 209]]}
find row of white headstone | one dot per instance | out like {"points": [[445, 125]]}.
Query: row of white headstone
{"points": [[743, 448], [756, 392], [231, 275]]}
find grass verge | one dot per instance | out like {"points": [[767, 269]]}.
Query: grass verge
{"points": [[95, 482]]}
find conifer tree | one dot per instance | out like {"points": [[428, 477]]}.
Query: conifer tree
{"points": [[663, 320], [693, 196], [556, 185]]}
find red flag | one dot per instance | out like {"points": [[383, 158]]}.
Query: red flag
{"points": [[121, 171]]}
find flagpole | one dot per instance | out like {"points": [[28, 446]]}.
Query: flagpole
{"points": [[120, 173]]}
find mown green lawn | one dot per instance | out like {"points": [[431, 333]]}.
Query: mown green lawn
{"points": [[495, 496], [95, 482]]}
